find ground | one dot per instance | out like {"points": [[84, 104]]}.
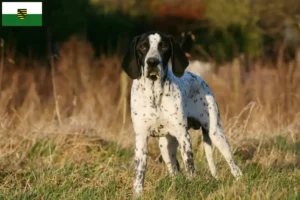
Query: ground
{"points": [[82, 166]]}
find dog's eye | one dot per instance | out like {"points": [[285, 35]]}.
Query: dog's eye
{"points": [[144, 47], [164, 46]]}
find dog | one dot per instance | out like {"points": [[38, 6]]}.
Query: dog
{"points": [[166, 101], [187, 42]]}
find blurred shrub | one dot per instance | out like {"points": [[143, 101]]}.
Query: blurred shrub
{"points": [[223, 28], [63, 19], [233, 30]]}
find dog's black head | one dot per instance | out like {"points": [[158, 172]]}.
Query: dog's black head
{"points": [[149, 55], [187, 42]]}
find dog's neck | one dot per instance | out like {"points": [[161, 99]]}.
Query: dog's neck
{"points": [[153, 90]]}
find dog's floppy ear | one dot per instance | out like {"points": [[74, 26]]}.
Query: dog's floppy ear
{"points": [[130, 63], [179, 60]]}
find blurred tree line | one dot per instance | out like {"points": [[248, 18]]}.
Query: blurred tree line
{"points": [[223, 28]]}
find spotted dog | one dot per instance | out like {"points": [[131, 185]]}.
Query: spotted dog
{"points": [[166, 101]]}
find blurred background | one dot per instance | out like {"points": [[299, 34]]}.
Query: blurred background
{"points": [[66, 77], [65, 126]]}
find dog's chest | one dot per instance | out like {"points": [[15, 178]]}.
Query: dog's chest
{"points": [[157, 111]]}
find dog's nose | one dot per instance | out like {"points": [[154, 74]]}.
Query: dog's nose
{"points": [[152, 62]]}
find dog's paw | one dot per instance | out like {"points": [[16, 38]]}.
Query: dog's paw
{"points": [[216, 177], [191, 174], [136, 194], [237, 173]]}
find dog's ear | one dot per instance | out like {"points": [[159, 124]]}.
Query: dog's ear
{"points": [[179, 60], [130, 63]]}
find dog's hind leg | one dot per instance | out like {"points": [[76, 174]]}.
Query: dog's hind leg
{"points": [[185, 144], [168, 148], [218, 137], [207, 144]]}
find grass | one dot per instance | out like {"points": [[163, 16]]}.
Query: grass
{"points": [[89, 168], [77, 142]]}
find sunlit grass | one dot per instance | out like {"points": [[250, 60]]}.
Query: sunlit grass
{"points": [[50, 169]]}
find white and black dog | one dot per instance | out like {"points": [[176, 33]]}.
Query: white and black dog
{"points": [[166, 101]]}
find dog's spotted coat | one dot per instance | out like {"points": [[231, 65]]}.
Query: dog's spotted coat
{"points": [[166, 102]]}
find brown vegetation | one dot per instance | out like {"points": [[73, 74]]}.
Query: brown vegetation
{"points": [[91, 96], [57, 119]]}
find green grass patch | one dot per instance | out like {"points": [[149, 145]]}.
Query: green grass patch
{"points": [[104, 171]]}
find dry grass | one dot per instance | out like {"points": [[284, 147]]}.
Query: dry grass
{"points": [[82, 131]]}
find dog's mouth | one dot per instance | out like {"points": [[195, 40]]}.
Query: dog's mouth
{"points": [[153, 75]]}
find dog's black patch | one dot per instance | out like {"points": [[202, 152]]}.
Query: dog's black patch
{"points": [[193, 123]]}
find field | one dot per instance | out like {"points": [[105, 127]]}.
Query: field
{"points": [[65, 131]]}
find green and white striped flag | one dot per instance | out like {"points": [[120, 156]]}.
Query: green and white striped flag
{"points": [[22, 14]]}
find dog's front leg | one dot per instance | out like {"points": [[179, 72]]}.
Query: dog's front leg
{"points": [[141, 151], [186, 149]]}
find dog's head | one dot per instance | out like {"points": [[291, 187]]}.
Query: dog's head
{"points": [[187, 42], [149, 54]]}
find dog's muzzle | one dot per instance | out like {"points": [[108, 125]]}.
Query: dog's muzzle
{"points": [[153, 74], [153, 71]]}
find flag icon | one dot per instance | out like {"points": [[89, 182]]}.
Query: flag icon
{"points": [[22, 14]]}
